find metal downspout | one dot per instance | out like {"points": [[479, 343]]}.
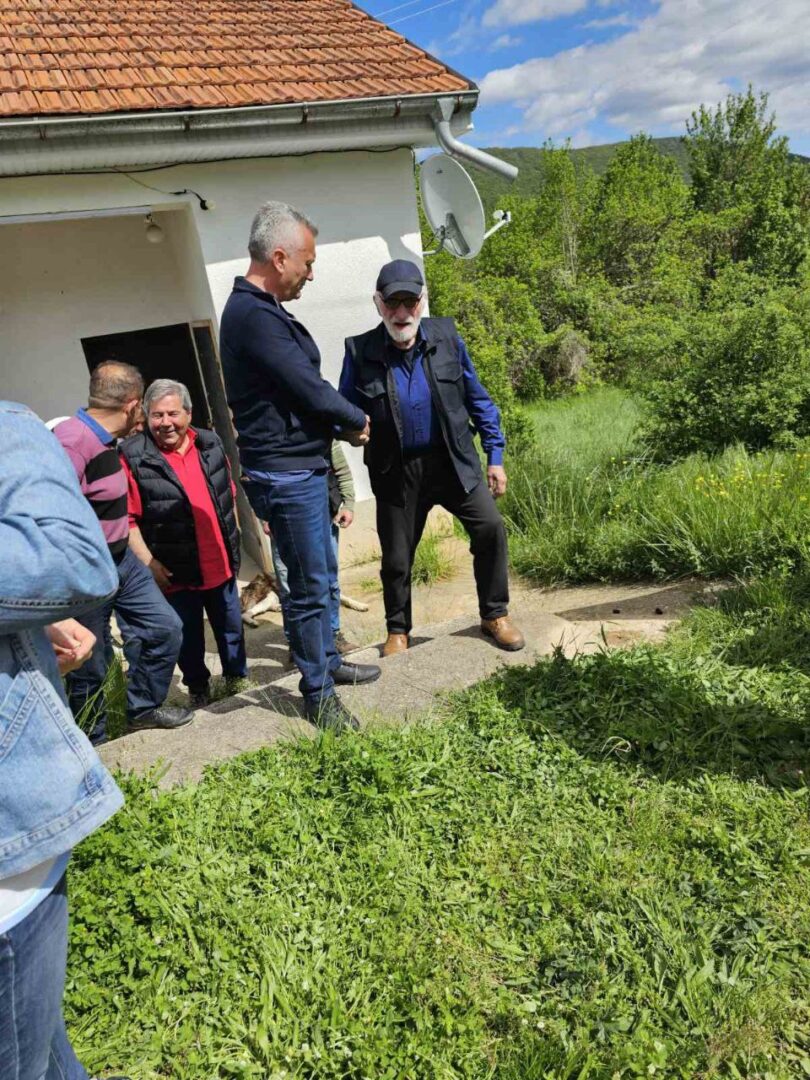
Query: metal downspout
{"points": [[451, 145]]}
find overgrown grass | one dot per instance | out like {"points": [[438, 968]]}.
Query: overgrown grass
{"points": [[592, 868], [587, 504], [431, 563]]}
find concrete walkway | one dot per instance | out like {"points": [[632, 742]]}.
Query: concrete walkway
{"points": [[451, 656], [448, 653]]}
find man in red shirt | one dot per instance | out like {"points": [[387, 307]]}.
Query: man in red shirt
{"points": [[183, 527]]}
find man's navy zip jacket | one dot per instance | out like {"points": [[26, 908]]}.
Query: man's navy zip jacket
{"points": [[285, 414]]}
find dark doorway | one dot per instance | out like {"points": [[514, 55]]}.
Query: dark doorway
{"points": [[160, 352]]}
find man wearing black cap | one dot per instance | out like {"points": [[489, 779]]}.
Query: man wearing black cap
{"points": [[414, 378]]}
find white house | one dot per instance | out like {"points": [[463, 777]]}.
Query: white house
{"points": [[137, 140]]}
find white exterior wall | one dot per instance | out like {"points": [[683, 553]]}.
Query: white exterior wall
{"points": [[61, 281]]}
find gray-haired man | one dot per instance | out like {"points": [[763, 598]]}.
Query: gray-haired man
{"points": [[182, 519], [286, 416]]}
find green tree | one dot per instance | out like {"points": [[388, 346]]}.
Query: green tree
{"points": [[636, 230], [753, 200]]}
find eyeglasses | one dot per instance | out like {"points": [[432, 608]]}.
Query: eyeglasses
{"points": [[409, 302]]}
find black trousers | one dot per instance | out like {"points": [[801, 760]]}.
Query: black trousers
{"points": [[430, 480]]}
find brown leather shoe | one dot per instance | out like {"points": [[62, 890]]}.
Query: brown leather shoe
{"points": [[505, 633], [395, 643]]}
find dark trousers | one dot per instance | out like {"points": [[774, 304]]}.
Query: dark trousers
{"points": [[430, 480], [33, 1042], [151, 633], [221, 605], [297, 511]]}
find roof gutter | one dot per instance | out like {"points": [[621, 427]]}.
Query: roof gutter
{"points": [[450, 144], [40, 145]]}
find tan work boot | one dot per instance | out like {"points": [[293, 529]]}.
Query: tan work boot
{"points": [[505, 633], [395, 643]]}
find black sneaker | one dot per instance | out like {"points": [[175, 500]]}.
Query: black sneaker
{"points": [[330, 714], [237, 684], [353, 674], [167, 716], [199, 696]]}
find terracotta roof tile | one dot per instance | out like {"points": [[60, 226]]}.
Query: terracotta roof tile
{"points": [[107, 56]]}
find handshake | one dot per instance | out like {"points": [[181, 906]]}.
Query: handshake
{"points": [[358, 438]]}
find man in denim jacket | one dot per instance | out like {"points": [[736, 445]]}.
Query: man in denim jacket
{"points": [[54, 790]]}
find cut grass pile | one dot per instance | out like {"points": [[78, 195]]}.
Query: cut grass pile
{"points": [[592, 868], [587, 504]]}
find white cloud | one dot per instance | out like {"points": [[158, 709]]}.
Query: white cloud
{"points": [[505, 41], [652, 77], [517, 12], [624, 19]]}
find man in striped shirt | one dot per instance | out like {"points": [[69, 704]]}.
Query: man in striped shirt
{"points": [[151, 630]]}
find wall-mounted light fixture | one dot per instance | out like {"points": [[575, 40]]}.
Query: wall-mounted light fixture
{"points": [[154, 233]]}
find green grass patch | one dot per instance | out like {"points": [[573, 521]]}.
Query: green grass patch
{"points": [[588, 504], [592, 868], [432, 563]]}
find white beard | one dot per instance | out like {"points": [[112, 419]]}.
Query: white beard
{"points": [[399, 334], [402, 334]]}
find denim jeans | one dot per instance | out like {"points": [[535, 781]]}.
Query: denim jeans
{"points": [[225, 616], [33, 1041], [152, 634], [298, 515], [334, 584]]}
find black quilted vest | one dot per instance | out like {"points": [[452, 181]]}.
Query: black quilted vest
{"points": [[374, 381], [167, 524]]}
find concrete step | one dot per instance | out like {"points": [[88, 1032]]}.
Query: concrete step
{"points": [[443, 657]]}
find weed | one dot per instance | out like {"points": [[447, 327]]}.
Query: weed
{"points": [[431, 562], [592, 868]]}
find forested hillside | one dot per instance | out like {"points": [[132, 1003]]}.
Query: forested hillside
{"points": [[594, 159]]}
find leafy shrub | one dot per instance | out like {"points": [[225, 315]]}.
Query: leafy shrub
{"points": [[745, 377]]}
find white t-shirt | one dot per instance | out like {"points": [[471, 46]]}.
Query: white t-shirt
{"points": [[20, 894]]}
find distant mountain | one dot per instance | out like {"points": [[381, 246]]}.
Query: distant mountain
{"points": [[529, 160]]}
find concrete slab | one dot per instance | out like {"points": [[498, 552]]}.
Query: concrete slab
{"points": [[451, 656]]}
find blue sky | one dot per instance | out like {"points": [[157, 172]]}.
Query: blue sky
{"points": [[598, 71]]}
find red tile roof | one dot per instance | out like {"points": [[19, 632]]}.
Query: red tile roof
{"points": [[107, 56]]}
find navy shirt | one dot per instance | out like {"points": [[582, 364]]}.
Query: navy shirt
{"points": [[420, 423]]}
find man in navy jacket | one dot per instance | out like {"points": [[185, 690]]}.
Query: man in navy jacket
{"points": [[286, 416]]}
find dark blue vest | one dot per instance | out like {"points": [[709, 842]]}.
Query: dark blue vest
{"points": [[374, 381]]}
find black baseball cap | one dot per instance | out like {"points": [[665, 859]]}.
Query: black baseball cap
{"points": [[400, 276]]}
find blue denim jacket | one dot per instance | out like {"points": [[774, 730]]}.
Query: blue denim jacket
{"points": [[54, 564]]}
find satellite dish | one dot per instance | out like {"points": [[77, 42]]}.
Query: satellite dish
{"points": [[452, 206]]}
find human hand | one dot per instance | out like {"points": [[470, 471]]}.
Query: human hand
{"points": [[72, 643], [496, 480], [359, 438], [266, 529], [162, 576], [344, 518]]}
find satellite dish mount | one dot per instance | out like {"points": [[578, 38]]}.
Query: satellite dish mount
{"points": [[453, 208]]}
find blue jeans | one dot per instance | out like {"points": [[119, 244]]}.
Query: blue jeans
{"points": [[152, 633], [298, 515], [33, 1041], [334, 584], [225, 616]]}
